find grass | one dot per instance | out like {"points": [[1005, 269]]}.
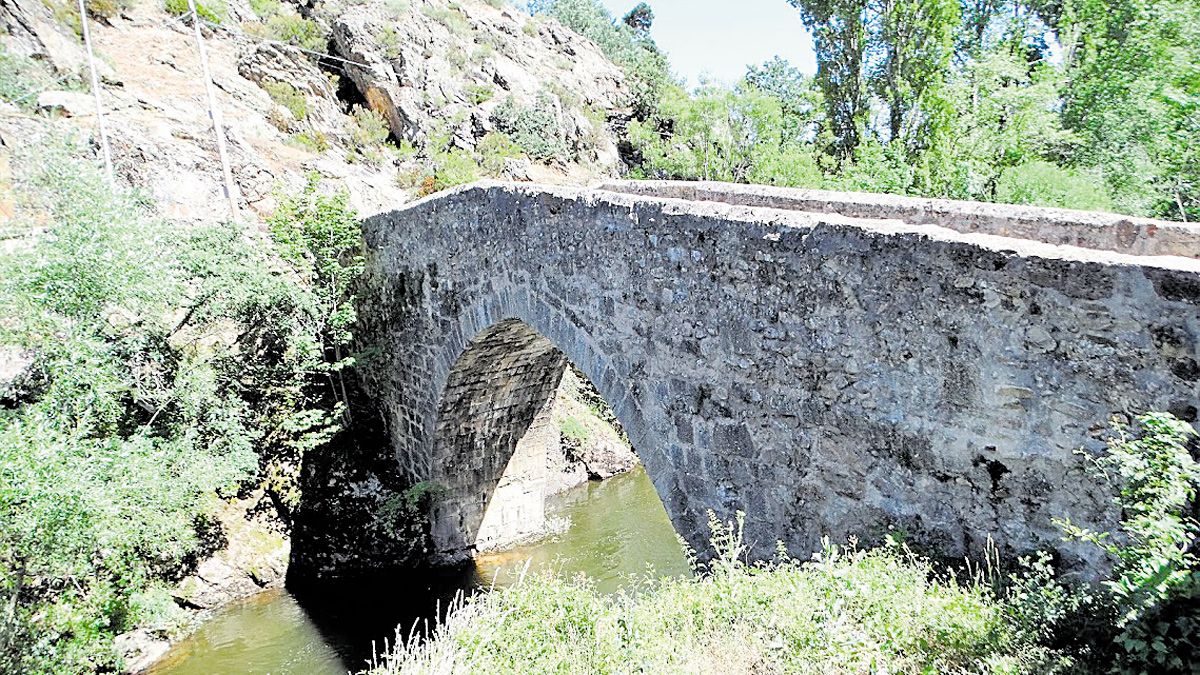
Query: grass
{"points": [[846, 611]]}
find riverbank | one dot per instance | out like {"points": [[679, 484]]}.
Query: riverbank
{"points": [[615, 529]]}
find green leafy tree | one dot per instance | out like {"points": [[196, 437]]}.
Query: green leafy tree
{"points": [[839, 29], [640, 19], [1133, 94]]}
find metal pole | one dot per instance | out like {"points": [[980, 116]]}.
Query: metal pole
{"points": [[213, 113], [87, 41]]}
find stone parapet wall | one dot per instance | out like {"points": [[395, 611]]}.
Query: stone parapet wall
{"points": [[1106, 231]]}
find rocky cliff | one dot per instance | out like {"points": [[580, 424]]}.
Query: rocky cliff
{"points": [[384, 98]]}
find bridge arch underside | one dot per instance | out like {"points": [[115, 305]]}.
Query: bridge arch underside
{"points": [[504, 379], [827, 377]]}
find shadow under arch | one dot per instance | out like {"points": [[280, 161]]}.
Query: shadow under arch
{"points": [[504, 377]]}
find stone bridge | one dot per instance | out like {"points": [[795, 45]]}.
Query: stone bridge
{"points": [[831, 364]]}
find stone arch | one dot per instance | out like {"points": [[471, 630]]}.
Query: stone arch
{"points": [[504, 378]]}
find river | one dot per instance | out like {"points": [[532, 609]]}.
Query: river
{"points": [[615, 531]]}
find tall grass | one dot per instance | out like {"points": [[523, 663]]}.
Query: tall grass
{"points": [[847, 610]]}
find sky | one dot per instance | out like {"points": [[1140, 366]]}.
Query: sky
{"points": [[719, 38]]}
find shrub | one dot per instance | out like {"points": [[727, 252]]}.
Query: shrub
{"points": [[389, 38], [450, 17], [180, 361], [645, 66], [574, 430], [296, 30], [22, 79], [368, 132], [1155, 578], [1044, 184], [106, 9], [266, 9], [397, 8], [479, 93], [311, 140], [213, 11], [289, 97], [454, 166], [495, 149], [847, 611], [536, 129]]}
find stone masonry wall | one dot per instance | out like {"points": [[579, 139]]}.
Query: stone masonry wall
{"points": [[827, 375]]}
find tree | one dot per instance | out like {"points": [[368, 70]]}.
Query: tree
{"points": [[640, 19], [797, 93], [1134, 95], [839, 30]]}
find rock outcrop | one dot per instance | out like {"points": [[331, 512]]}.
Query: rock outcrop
{"points": [[444, 67]]}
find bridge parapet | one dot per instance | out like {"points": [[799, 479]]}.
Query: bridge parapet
{"points": [[1086, 229]]}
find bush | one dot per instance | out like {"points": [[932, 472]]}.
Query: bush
{"points": [[22, 79], [296, 30], [1155, 582], [126, 435], [479, 93], [495, 149], [312, 140], [451, 167], [181, 364], [450, 17], [847, 611], [106, 9], [537, 129], [289, 97], [213, 11], [368, 132], [637, 55], [1043, 184]]}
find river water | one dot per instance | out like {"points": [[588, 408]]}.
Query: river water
{"points": [[616, 531]]}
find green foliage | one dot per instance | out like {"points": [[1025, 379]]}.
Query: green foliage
{"points": [[479, 93], [289, 97], [297, 30], [284, 25], [213, 11], [721, 134], [494, 150], [1044, 184], [106, 9], [171, 367], [368, 133], [536, 129], [109, 465], [311, 140], [1156, 578], [1133, 93], [22, 79], [450, 17], [453, 167], [848, 610], [636, 54], [574, 430]]}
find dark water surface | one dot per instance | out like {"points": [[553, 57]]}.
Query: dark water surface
{"points": [[615, 531]]}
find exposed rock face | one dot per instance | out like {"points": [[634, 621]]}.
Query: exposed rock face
{"points": [[435, 66], [827, 375], [31, 30]]}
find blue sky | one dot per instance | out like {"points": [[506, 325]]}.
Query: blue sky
{"points": [[721, 37]]}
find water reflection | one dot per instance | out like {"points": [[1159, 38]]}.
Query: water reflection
{"points": [[616, 531]]}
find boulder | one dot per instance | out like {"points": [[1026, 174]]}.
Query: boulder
{"points": [[66, 103]]}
